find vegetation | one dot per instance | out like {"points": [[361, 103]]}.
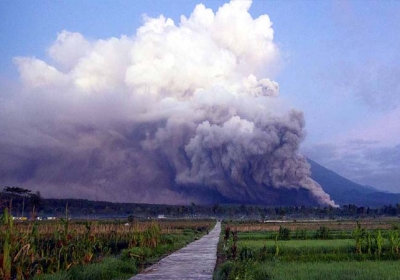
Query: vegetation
{"points": [[350, 270], [322, 242], [358, 253], [33, 249], [23, 202]]}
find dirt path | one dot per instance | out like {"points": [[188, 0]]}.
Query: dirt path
{"points": [[195, 261]]}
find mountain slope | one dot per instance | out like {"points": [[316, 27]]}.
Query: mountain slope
{"points": [[344, 191]]}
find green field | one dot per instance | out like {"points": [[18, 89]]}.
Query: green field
{"points": [[301, 247], [350, 270], [364, 254]]}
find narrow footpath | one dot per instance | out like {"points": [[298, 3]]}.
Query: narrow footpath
{"points": [[195, 261]]}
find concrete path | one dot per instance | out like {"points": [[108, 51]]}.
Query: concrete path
{"points": [[196, 261]]}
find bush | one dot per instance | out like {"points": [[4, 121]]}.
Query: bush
{"points": [[284, 233], [323, 233], [225, 270], [246, 253]]}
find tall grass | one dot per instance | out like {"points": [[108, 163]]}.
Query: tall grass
{"points": [[110, 268], [31, 249], [126, 264]]}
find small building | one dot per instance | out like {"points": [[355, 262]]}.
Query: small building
{"points": [[20, 218]]}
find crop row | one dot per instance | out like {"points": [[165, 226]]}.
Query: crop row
{"points": [[245, 255], [27, 250], [312, 225]]}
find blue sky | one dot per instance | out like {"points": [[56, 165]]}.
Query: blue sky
{"points": [[339, 64]]}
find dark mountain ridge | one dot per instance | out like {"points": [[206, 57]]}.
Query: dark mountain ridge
{"points": [[344, 191]]}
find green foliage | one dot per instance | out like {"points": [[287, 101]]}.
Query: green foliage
{"points": [[368, 242], [262, 272], [109, 268], [236, 270], [225, 270], [230, 244], [246, 253], [5, 270], [327, 256], [323, 233], [276, 246], [283, 233], [303, 234], [358, 235], [25, 254], [379, 242], [344, 270], [394, 240]]}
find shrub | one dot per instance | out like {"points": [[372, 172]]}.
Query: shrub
{"points": [[225, 270], [323, 233], [284, 233], [246, 253]]}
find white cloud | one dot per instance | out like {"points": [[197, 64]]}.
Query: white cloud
{"points": [[68, 48], [36, 73]]}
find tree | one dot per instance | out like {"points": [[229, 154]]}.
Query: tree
{"points": [[17, 191], [35, 202], [131, 219], [261, 213], [215, 208], [193, 208]]}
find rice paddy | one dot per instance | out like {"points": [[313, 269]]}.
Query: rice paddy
{"points": [[368, 250]]}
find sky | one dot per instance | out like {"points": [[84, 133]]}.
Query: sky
{"points": [[336, 61]]}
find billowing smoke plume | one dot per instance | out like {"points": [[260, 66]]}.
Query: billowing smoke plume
{"points": [[173, 114]]}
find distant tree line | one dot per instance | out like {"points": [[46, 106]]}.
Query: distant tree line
{"points": [[24, 202]]}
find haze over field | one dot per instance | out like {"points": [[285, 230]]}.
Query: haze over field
{"points": [[175, 112]]}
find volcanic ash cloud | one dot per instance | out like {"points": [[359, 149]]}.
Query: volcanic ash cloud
{"points": [[176, 113]]}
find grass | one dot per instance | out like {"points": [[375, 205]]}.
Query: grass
{"points": [[295, 234], [257, 255], [331, 244], [372, 270], [109, 269]]}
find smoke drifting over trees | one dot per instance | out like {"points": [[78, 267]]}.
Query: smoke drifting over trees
{"points": [[176, 113]]}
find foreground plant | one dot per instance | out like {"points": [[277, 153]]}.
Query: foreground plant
{"points": [[28, 250]]}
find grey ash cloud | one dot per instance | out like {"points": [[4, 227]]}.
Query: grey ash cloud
{"points": [[173, 114]]}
